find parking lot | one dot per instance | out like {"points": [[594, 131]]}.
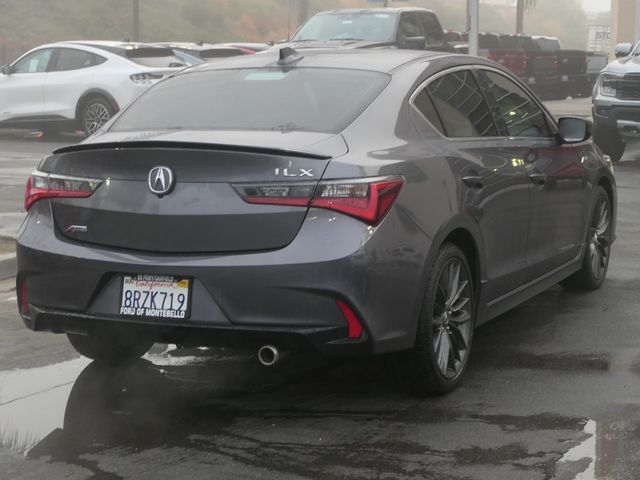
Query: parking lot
{"points": [[552, 391]]}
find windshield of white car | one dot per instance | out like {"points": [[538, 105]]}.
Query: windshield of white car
{"points": [[301, 99], [377, 27]]}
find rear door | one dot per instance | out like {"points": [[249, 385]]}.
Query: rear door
{"points": [[21, 92], [492, 186], [71, 74], [557, 177]]}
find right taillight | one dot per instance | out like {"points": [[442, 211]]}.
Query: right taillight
{"points": [[367, 199], [23, 303], [43, 185]]}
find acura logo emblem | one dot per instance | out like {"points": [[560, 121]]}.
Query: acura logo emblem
{"points": [[161, 180]]}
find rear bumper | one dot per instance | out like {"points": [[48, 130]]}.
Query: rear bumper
{"points": [[328, 341], [574, 81], [542, 81], [289, 293]]}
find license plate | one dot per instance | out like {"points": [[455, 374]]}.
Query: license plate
{"points": [[155, 296], [565, 78]]}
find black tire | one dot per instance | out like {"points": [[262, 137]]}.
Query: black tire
{"points": [[608, 140], [595, 261], [445, 328], [95, 112], [110, 346]]}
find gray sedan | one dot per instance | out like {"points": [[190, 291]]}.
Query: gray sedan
{"points": [[350, 202]]}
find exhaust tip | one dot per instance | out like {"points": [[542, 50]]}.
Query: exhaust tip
{"points": [[268, 355]]}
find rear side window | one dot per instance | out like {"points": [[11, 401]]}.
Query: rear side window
{"points": [[72, 59], [296, 99], [461, 107], [521, 115], [423, 104]]}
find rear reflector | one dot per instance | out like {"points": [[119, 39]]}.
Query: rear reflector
{"points": [[24, 305], [354, 325], [367, 199], [42, 185]]}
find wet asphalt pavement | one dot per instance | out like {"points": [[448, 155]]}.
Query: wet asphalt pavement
{"points": [[552, 391]]}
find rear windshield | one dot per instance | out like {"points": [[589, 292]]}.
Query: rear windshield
{"points": [[527, 43], [377, 27], [509, 42], [297, 99], [158, 57], [489, 41], [548, 44]]}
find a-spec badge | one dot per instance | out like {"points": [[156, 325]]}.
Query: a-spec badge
{"points": [[161, 180], [293, 172]]}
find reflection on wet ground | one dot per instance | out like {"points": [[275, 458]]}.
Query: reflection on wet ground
{"points": [[176, 408]]}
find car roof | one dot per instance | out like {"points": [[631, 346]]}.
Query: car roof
{"points": [[195, 46], [383, 60], [356, 11], [109, 43]]}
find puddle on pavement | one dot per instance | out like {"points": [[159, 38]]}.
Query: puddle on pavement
{"points": [[76, 408], [36, 402], [531, 361], [32, 400]]}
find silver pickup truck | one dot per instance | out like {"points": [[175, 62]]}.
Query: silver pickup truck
{"points": [[616, 102]]}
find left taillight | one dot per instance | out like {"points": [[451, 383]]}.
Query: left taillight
{"points": [[43, 185], [367, 199]]}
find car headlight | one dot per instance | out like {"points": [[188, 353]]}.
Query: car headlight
{"points": [[609, 84]]}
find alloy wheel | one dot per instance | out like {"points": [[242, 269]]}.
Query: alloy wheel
{"points": [[96, 115], [452, 315], [599, 243]]}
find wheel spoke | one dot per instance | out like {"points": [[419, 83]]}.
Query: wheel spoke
{"points": [[458, 342], [595, 261], [460, 303], [454, 282], [454, 297], [443, 352], [461, 317]]}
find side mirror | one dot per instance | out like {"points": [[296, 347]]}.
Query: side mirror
{"points": [[6, 70], [413, 43], [574, 129], [623, 50]]}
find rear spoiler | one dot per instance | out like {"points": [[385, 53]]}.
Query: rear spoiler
{"points": [[83, 147]]}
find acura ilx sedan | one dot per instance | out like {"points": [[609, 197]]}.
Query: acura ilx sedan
{"points": [[344, 202]]}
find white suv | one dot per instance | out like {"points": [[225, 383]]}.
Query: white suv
{"points": [[79, 83]]}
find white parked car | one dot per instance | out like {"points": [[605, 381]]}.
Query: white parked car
{"points": [[81, 83]]}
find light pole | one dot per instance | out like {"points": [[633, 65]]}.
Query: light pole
{"points": [[136, 21], [473, 23], [637, 24]]}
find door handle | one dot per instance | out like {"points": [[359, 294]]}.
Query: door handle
{"points": [[473, 181], [538, 178]]}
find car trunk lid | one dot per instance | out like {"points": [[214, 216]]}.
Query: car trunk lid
{"points": [[203, 212]]}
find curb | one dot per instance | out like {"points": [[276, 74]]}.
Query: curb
{"points": [[8, 266]]}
